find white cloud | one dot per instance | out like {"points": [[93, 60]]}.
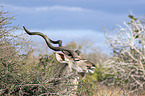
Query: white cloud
{"points": [[65, 8], [41, 8], [44, 8]]}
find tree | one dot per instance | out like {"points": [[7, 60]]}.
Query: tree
{"points": [[10, 46], [126, 68]]}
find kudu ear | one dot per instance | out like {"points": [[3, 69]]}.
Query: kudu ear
{"points": [[62, 58]]}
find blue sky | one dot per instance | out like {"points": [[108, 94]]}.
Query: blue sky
{"points": [[73, 19]]}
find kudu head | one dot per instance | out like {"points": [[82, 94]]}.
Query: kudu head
{"points": [[67, 56]]}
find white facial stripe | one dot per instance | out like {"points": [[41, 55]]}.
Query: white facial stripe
{"points": [[84, 60], [91, 71], [93, 67], [87, 71]]}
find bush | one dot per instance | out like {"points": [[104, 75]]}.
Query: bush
{"points": [[10, 63], [126, 67]]}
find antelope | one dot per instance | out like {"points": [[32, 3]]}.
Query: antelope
{"points": [[74, 66]]}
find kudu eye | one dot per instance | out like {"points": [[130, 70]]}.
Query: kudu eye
{"points": [[77, 60]]}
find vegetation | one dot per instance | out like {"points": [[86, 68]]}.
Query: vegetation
{"points": [[9, 59], [23, 73], [126, 68]]}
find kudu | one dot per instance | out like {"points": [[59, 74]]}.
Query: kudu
{"points": [[74, 66]]}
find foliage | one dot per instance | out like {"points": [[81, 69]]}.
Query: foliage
{"points": [[89, 84], [37, 76], [126, 67], [11, 45]]}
